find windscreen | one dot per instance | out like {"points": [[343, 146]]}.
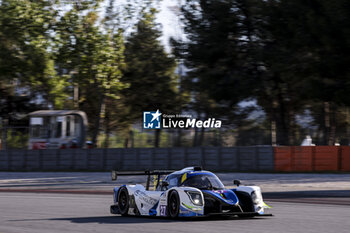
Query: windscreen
{"points": [[204, 182]]}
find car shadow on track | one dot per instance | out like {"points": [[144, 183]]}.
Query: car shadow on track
{"points": [[138, 219], [144, 219]]}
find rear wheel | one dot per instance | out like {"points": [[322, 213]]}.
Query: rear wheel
{"points": [[173, 204], [123, 201]]}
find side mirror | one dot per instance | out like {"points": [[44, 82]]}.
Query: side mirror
{"points": [[165, 183], [237, 182]]}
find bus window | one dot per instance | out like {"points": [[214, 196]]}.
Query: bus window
{"points": [[39, 127], [36, 121], [35, 131], [58, 128], [68, 125]]}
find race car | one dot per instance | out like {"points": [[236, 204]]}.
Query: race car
{"points": [[190, 192]]}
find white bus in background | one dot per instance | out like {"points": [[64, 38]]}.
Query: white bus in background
{"points": [[54, 129]]}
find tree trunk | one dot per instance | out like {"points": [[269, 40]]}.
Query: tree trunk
{"points": [[278, 125], [178, 138], [76, 96], [126, 142], [107, 128], [98, 121], [333, 124], [291, 126], [279, 113], [195, 138], [327, 123], [347, 125], [157, 138], [273, 124], [281, 125], [132, 139], [201, 137]]}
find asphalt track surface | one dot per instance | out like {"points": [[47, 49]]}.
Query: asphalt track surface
{"points": [[101, 181], [57, 212]]}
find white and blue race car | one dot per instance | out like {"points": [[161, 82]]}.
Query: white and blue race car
{"points": [[189, 192]]}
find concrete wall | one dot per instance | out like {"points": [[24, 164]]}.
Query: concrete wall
{"points": [[256, 158]]}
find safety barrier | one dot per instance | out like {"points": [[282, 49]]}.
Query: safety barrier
{"points": [[345, 158], [312, 158], [255, 158]]}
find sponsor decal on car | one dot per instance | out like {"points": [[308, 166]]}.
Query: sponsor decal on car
{"points": [[194, 208], [145, 198]]}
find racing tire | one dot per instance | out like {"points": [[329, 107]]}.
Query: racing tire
{"points": [[123, 201], [246, 204], [173, 204]]}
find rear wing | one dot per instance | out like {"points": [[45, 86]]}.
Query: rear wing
{"points": [[156, 174]]}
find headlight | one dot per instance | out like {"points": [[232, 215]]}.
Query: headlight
{"points": [[195, 197], [256, 197]]}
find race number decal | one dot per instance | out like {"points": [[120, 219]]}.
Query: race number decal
{"points": [[162, 210]]}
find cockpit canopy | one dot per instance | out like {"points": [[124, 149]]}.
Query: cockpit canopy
{"points": [[202, 180]]}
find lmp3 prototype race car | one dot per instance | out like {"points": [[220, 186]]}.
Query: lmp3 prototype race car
{"points": [[189, 192]]}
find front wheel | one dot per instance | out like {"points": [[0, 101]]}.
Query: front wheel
{"points": [[173, 204], [246, 203], [123, 201]]}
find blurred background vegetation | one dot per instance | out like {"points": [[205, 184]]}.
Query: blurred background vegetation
{"points": [[273, 71]]}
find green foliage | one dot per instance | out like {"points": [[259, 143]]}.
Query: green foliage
{"points": [[92, 58], [16, 139], [285, 54], [290, 56], [149, 70], [217, 51], [25, 44]]}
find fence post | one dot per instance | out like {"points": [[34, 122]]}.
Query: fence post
{"points": [[138, 162], [169, 158], [122, 157], [340, 158], [219, 157], [8, 155], [257, 158], [185, 156], [313, 158], [73, 160], [202, 158], [238, 158], [41, 159], [292, 158], [58, 159], [104, 158]]}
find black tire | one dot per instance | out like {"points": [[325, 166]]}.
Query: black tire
{"points": [[246, 203], [173, 204], [123, 201]]}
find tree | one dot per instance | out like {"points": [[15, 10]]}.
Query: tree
{"points": [[93, 60], [149, 71], [25, 42], [304, 49], [216, 51], [284, 54]]}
